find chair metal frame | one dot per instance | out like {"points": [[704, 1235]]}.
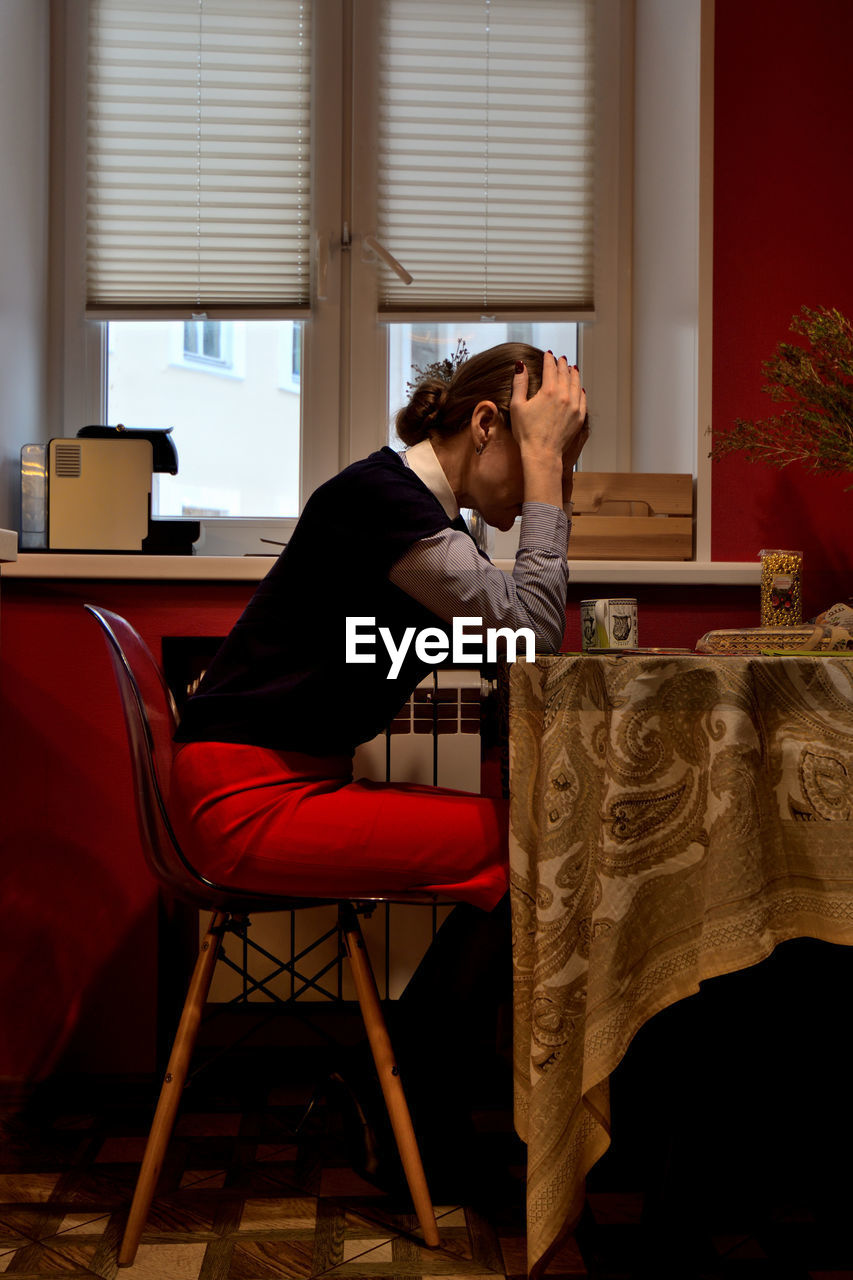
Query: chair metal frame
{"points": [[150, 717]]}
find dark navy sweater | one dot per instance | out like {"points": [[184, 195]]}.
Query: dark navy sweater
{"points": [[280, 678]]}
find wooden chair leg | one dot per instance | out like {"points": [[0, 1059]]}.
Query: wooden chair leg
{"points": [[173, 1084], [389, 1076]]}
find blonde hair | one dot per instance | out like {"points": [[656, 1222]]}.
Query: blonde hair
{"points": [[445, 408]]}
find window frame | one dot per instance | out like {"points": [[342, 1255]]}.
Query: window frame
{"points": [[231, 362], [223, 358], [289, 356], [345, 350]]}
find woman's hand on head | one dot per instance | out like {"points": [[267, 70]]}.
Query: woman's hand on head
{"points": [[550, 423], [550, 429]]}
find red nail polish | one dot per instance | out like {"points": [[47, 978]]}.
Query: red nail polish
{"points": [[519, 366]]}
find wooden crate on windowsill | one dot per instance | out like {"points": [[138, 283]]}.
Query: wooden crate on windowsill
{"points": [[632, 515]]}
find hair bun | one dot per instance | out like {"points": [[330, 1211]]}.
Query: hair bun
{"points": [[447, 393], [423, 412]]}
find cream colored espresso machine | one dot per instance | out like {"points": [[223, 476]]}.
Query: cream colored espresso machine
{"points": [[92, 492]]}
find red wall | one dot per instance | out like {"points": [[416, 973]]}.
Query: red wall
{"points": [[78, 963], [783, 212], [78, 972]]}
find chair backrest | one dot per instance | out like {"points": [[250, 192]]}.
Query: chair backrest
{"points": [[150, 718]]}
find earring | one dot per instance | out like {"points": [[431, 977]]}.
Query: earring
{"points": [[480, 447]]}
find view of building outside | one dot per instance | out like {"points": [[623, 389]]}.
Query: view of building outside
{"points": [[414, 346], [231, 392]]}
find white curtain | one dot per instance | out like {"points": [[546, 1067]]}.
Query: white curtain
{"points": [[198, 153], [486, 129]]}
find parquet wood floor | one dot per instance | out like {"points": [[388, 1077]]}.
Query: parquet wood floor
{"points": [[245, 1196]]}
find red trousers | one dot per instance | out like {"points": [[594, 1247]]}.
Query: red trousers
{"points": [[283, 822]]}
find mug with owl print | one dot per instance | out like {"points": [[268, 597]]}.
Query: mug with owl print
{"points": [[609, 624]]}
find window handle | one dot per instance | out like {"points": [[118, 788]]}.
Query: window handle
{"points": [[321, 248], [388, 258]]}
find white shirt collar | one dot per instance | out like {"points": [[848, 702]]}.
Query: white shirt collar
{"points": [[423, 460]]}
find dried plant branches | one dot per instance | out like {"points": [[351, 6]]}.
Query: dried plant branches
{"points": [[440, 370], [816, 383]]}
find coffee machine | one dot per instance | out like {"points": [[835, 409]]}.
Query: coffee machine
{"points": [[92, 492]]}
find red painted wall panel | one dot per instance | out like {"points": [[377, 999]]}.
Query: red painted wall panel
{"points": [[783, 210], [670, 616], [77, 974]]}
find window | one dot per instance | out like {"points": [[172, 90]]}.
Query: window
{"points": [[218, 140], [413, 346], [214, 347], [207, 397], [295, 353], [207, 341], [290, 357]]}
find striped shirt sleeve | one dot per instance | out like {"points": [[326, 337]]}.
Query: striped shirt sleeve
{"points": [[446, 573]]}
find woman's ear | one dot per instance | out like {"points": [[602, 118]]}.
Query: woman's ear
{"points": [[484, 419]]}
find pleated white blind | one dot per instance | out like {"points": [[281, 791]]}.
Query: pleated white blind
{"points": [[486, 154], [198, 154]]}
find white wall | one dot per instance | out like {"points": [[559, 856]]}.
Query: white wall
{"points": [[666, 235], [235, 429], [23, 237]]}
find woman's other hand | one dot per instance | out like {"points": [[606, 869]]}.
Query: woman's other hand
{"points": [[571, 454], [551, 420], [550, 428]]}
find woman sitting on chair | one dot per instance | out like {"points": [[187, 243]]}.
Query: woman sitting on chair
{"points": [[262, 786]]}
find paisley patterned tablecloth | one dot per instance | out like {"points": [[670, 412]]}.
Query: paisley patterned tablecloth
{"points": [[673, 818]]}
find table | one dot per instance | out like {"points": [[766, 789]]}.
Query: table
{"points": [[673, 818]]}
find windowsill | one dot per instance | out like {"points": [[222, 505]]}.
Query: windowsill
{"points": [[252, 568], [81, 564], [663, 572], [210, 367]]}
